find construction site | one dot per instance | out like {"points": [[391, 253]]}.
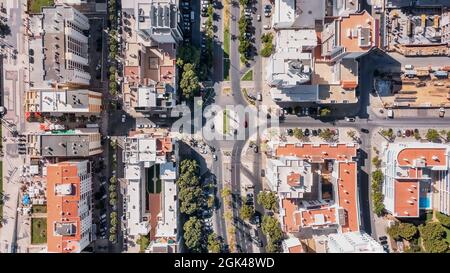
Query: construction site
{"points": [[418, 31], [421, 87]]}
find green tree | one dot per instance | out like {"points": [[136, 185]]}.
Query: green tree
{"points": [[448, 136], [214, 245], [210, 201], [432, 135], [351, 134], [407, 231], [271, 228], [189, 82], [377, 176], [376, 161], [443, 219], [417, 135], [188, 54], [268, 200], [394, 231], [272, 247], [246, 212], [225, 192], [432, 231], [326, 134], [113, 179], [189, 199], [193, 234], [267, 50], [298, 133], [189, 166], [325, 112], [435, 246], [143, 242], [112, 237]]}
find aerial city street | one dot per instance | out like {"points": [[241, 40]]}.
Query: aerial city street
{"points": [[225, 126]]}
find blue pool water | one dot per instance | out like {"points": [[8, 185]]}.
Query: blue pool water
{"points": [[424, 202]]}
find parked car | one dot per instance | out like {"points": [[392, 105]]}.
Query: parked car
{"points": [[215, 157], [123, 118], [306, 132], [383, 238], [314, 132], [364, 130], [350, 119], [441, 112], [255, 149], [258, 17], [266, 27], [259, 96], [289, 132]]}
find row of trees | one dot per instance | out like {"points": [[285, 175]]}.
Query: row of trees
{"points": [[267, 49], [188, 61], [377, 195], [113, 193], [433, 237], [433, 135], [244, 42], [272, 229], [113, 46]]}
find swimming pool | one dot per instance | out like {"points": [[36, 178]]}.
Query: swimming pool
{"points": [[425, 202]]}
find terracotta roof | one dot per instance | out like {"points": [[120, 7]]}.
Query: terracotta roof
{"points": [[289, 220], [318, 217], [351, 23], [155, 209], [62, 209], [348, 196], [325, 151], [431, 156], [349, 84], [293, 179], [406, 198], [296, 249]]}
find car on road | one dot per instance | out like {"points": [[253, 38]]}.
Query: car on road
{"points": [[306, 111], [314, 132], [245, 124], [124, 118], [289, 132], [350, 119], [383, 238], [215, 157], [399, 133], [364, 130], [441, 112], [259, 96], [257, 220], [306, 132], [266, 27]]}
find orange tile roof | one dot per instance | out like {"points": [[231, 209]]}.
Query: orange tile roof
{"points": [[296, 249], [352, 22], [407, 156], [293, 179], [289, 220], [155, 209], [62, 208], [347, 195], [325, 151], [349, 84], [406, 198], [308, 216]]}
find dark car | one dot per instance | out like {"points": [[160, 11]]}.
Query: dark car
{"points": [[255, 149], [364, 130], [314, 132], [290, 132], [383, 238], [306, 132]]}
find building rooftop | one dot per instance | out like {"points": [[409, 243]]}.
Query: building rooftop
{"points": [[64, 101], [317, 152], [352, 242]]}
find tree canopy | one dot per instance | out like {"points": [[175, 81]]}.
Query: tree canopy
{"points": [[443, 219], [189, 83], [214, 245], [246, 212], [193, 234], [271, 228], [268, 200]]}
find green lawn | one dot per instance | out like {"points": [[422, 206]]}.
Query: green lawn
{"points": [[38, 230], [248, 76], [447, 235], [226, 124], [34, 6], [226, 42], [429, 217], [39, 209]]}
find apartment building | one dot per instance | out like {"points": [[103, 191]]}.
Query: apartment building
{"points": [[317, 51], [61, 101], [317, 187], [62, 38], [416, 177], [82, 142], [150, 74], [69, 211], [151, 192], [350, 242]]}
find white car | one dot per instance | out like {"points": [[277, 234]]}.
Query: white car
{"points": [[266, 27], [258, 17], [123, 118], [215, 157], [350, 119]]}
